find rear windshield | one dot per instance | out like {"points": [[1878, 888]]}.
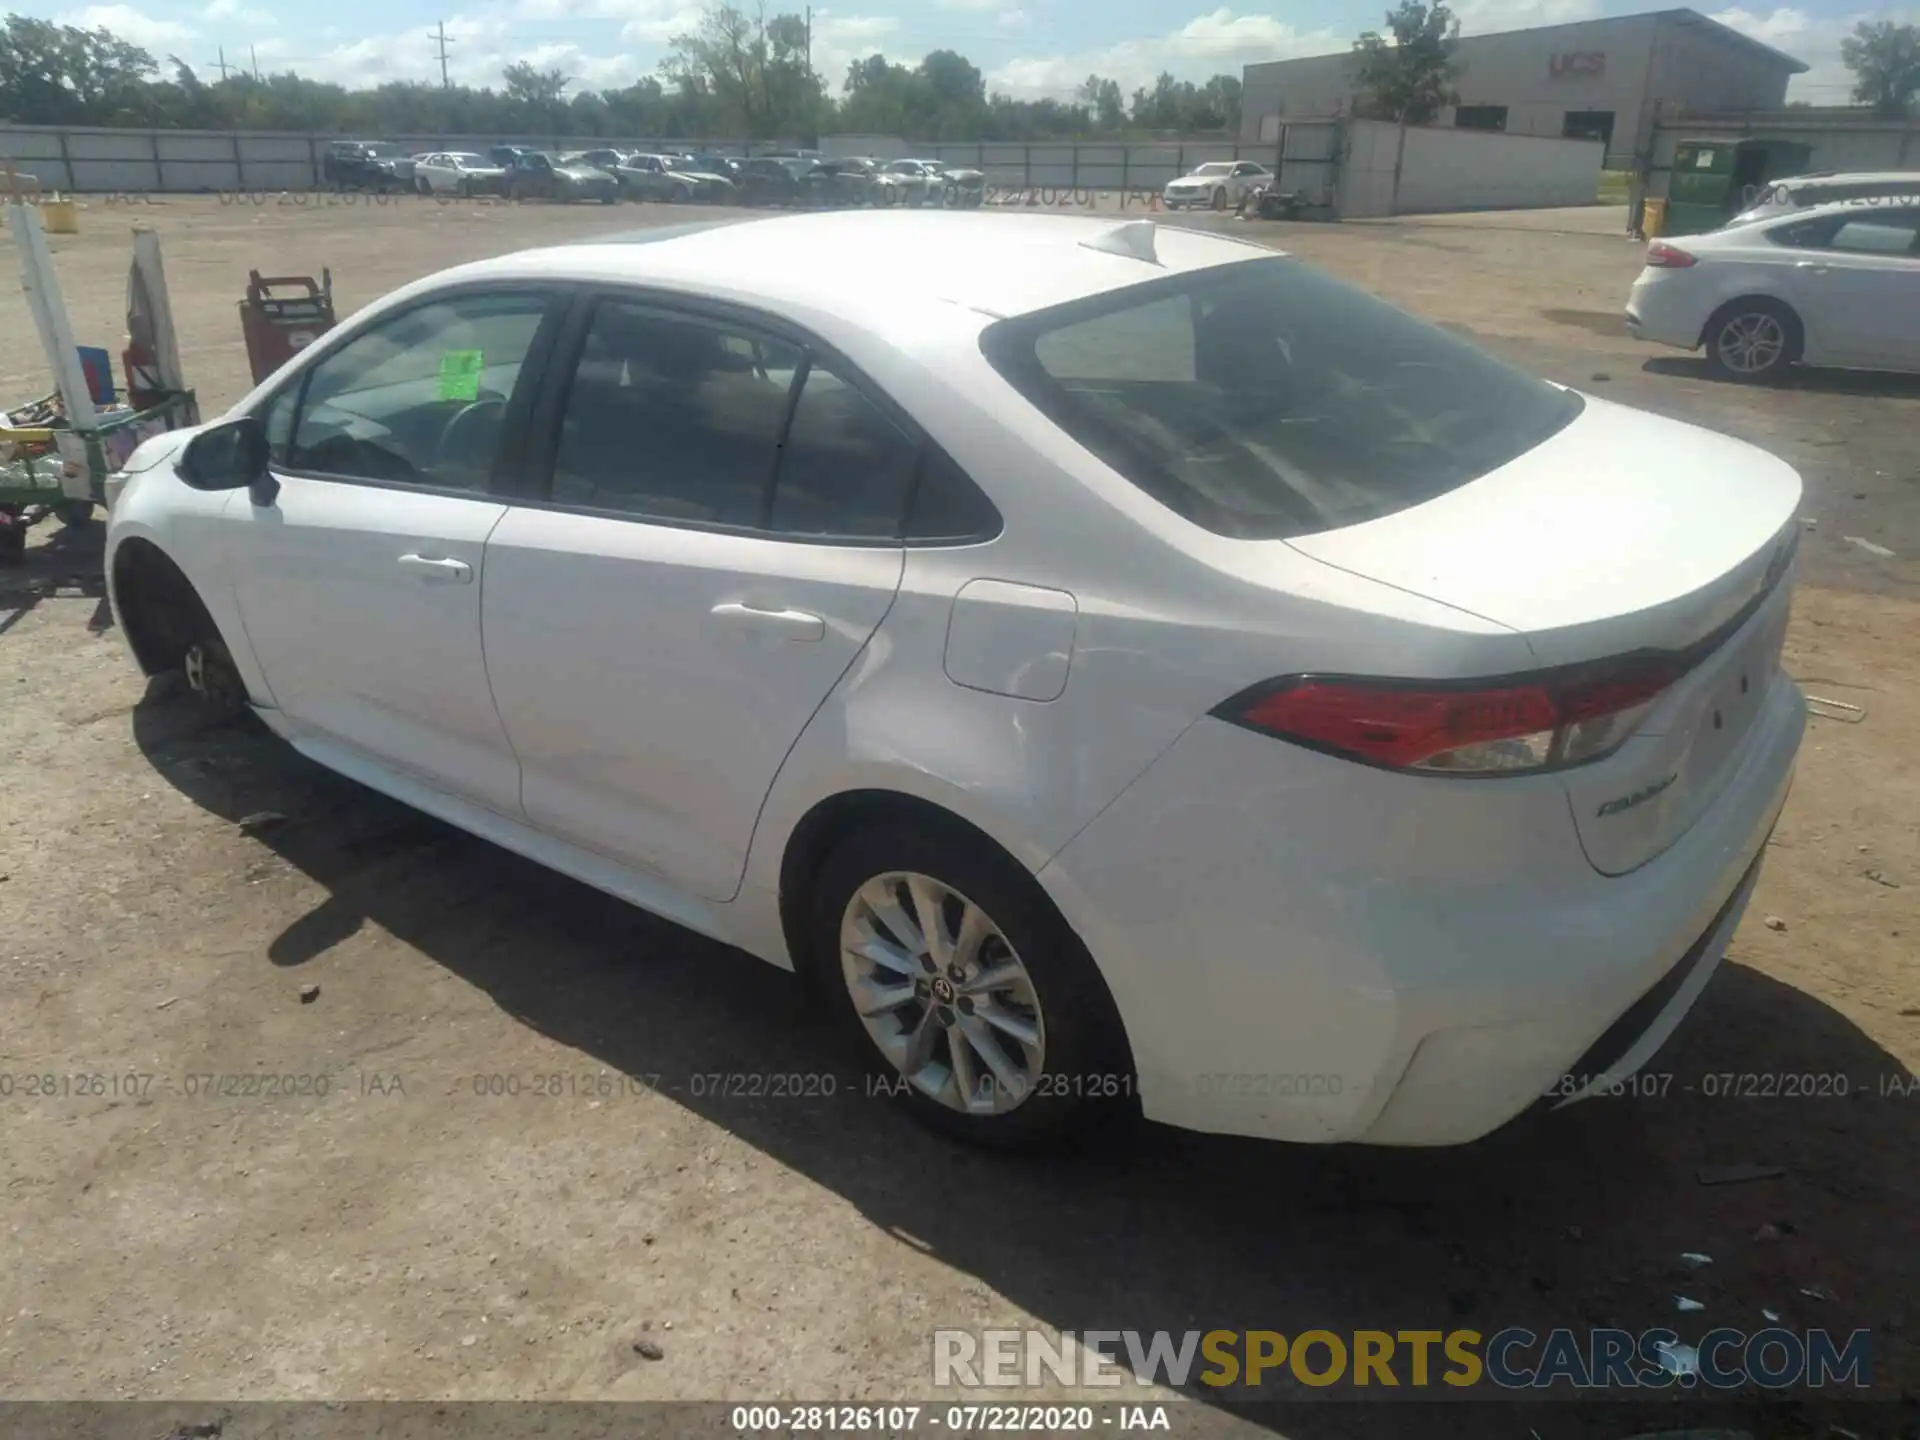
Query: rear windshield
{"points": [[1263, 399]]}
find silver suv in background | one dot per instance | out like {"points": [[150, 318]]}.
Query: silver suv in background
{"points": [[1775, 198]]}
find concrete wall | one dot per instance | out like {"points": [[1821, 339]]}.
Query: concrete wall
{"points": [[1444, 169], [1626, 64]]}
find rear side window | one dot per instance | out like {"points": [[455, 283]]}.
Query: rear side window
{"points": [[845, 468], [673, 418], [1891, 232], [1262, 399]]}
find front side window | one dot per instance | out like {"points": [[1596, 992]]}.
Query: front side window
{"points": [[673, 418], [1262, 399], [418, 399]]}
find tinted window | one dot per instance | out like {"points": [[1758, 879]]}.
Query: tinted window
{"points": [[673, 418], [1262, 398], [1889, 232], [418, 399], [947, 506], [845, 468]]}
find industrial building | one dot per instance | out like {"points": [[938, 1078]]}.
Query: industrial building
{"points": [[1594, 79]]}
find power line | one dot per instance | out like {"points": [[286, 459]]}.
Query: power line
{"points": [[440, 37]]}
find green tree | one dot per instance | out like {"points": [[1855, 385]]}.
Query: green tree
{"points": [[1885, 61], [1407, 75], [1103, 97]]}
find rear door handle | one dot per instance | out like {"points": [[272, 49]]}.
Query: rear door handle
{"points": [[787, 624], [439, 570], [1813, 265]]}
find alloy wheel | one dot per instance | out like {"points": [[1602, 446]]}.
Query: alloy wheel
{"points": [[1751, 343], [942, 993]]}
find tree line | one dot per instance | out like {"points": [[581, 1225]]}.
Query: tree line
{"points": [[738, 74]]}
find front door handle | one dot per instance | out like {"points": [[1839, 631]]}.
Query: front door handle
{"points": [[1813, 265], [787, 624], [439, 570]]}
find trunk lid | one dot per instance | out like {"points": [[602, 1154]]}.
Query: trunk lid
{"points": [[1624, 532]]}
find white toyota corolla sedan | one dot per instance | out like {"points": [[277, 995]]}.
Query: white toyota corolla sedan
{"points": [[1119, 665]]}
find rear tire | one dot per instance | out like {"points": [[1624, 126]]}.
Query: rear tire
{"points": [[1752, 340], [1219, 198], [1068, 1078]]}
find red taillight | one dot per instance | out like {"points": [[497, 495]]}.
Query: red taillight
{"points": [[1559, 719], [1668, 257]]}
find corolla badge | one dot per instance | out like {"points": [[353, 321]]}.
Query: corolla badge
{"points": [[1638, 797]]}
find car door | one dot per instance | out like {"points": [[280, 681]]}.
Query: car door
{"points": [[359, 583], [715, 541], [1861, 289]]}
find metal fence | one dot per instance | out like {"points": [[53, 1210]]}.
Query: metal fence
{"points": [[83, 160]]}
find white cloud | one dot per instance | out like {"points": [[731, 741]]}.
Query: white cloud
{"points": [[235, 10], [839, 40], [1207, 45], [1814, 39], [131, 25], [1484, 17]]}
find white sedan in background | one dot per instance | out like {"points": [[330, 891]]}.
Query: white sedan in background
{"points": [[1836, 285], [1218, 183], [456, 172], [1121, 668]]}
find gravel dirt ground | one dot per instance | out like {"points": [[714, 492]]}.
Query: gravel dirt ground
{"points": [[167, 889]]}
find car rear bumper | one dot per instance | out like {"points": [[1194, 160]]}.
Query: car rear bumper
{"points": [[1304, 949]]}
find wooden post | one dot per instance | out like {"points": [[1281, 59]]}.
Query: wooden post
{"points": [[49, 312], [66, 163], [239, 165], [159, 174]]}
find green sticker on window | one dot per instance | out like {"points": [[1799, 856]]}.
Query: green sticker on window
{"points": [[460, 374]]}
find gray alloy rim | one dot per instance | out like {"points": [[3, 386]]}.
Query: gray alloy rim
{"points": [[943, 994], [1751, 343]]}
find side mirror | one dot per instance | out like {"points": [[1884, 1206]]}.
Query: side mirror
{"points": [[232, 456]]}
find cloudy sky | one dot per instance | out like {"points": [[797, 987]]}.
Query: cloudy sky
{"points": [[1027, 48]]}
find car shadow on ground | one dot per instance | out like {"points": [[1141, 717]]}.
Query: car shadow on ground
{"points": [[1868, 383], [1572, 1219], [66, 562]]}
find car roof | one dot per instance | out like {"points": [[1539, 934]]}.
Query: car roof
{"points": [[1864, 205], [862, 264], [1851, 177]]}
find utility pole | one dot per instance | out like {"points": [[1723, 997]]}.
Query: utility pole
{"points": [[440, 37], [809, 42], [254, 55], [222, 66]]}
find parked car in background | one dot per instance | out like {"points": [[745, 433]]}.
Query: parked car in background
{"points": [[840, 182], [965, 186], [710, 184], [1801, 192], [456, 172], [1105, 660], [1836, 285], [1218, 184], [768, 180], [659, 177], [914, 182], [536, 175], [707, 162], [366, 165]]}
